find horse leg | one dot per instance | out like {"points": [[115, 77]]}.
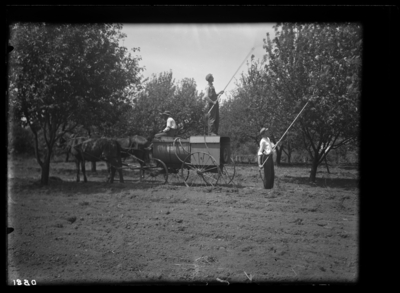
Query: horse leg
{"points": [[77, 170], [121, 178], [112, 174], [84, 171], [108, 171], [141, 172]]}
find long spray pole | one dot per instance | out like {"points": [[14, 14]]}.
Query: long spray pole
{"points": [[232, 77], [285, 132], [224, 90]]}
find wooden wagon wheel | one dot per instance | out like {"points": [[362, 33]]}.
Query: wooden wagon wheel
{"points": [[228, 171], [203, 169], [155, 172]]}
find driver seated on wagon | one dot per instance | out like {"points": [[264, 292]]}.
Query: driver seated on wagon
{"points": [[171, 129]]}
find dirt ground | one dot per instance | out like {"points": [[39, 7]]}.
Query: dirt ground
{"points": [[132, 232]]}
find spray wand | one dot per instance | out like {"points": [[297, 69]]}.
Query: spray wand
{"points": [[231, 78]]}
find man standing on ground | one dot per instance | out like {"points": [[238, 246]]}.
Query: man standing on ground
{"points": [[265, 158]]}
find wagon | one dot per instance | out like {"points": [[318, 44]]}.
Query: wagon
{"points": [[197, 161]]}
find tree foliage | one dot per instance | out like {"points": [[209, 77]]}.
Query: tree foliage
{"points": [[163, 93], [66, 75], [319, 63], [247, 108], [254, 105]]}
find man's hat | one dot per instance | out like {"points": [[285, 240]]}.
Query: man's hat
{"points": [[208, 76], [166, 113], [263, 130]]}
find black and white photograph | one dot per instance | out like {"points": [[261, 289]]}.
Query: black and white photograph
{"points": [[183, 152]]}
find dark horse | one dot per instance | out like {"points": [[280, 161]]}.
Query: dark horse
{"points": [[137, 146], [96, 149]]}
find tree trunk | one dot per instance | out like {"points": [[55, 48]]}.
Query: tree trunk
{"points": [[339, 154], [326, 164], [289, 153], [278, 155], [44, 179], [314, 166], [93, 166]]}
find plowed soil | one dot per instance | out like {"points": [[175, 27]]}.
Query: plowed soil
{"points": [[133, 232]]}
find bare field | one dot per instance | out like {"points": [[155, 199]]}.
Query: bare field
{"points": [[97, 232]]}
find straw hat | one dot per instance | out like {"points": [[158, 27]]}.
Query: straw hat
{"points": [[264, 129]]}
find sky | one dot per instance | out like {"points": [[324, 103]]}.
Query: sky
{"points": [[195, 50]]}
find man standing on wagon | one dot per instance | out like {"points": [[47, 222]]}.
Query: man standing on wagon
{"points": [[213, 106], [171, 128]]}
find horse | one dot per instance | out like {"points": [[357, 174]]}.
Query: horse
{"points": [[96, 149]]}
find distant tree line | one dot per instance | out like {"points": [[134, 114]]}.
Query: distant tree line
{"points": [[77, 79]]}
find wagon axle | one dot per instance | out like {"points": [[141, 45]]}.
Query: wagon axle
{"points": [[199, 172]]}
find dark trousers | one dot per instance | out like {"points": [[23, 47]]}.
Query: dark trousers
{"points": [[213, 119], [171, 132], [269, 172]]}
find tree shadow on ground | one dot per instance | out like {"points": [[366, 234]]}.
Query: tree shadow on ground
{"points": [[323, 182], [346, 166], [349, 167], [57, 185], [293, 165]]}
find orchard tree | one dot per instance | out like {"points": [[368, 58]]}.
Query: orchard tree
{"points": [[62, 76], [187, 106], [291, 142], [162, 93], [254, 105], [320, 64], [144, 118]]}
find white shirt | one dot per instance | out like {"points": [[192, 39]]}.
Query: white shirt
{"points": [[170, 124], [265, 146]]}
